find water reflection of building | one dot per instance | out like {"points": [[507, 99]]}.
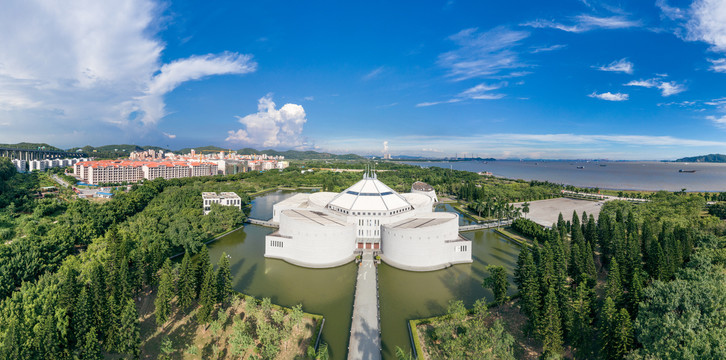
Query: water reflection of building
{"points": [[327, 229]]}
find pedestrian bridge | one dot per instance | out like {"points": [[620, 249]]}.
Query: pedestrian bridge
{"points": [[267, 223], [486, 225]]}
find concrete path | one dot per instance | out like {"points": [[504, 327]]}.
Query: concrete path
{"points": [[365, 333]]}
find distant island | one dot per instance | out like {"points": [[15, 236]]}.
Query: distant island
{"points": [[710, 158]]}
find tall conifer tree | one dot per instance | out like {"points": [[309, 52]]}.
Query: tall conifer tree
{"points": [[186, 283], [164, 294], [129, 341], [224, 279]]}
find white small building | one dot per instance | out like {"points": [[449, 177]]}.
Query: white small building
{"points": [[39, 165], [423, 188], [326, 229], [224, 199]]}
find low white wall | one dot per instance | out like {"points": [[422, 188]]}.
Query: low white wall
{"points": [[427, 247], [310, 244], [422, 204]]}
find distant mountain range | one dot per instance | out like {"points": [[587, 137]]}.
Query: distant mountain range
{"points": [[710, 158], [31, 146]]}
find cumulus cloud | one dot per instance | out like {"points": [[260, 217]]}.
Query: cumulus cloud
{"points": [[667, 88], [169, 136], [91, 67], [583, 23], [482, 53], [705, 21], [622, 65], [609, 96], [271, 127]]}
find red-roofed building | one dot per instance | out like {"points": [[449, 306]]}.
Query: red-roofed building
{"points": [[118, 171]]}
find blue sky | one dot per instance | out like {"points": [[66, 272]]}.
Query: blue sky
{"points": [[584, 79]]}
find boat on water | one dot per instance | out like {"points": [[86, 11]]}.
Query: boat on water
{"points": [[580, 167], [686, 171], [603, 165]]}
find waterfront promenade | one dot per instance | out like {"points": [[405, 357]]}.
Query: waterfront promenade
{"points": [[365, 333]]}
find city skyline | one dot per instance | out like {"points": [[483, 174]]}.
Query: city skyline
{"points": [[585, 79]]}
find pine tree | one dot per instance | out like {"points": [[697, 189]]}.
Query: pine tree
{"points": [[551, 327], [614, 287], [164, 294], [581, 333], [207, 296], [622, 340], [202, 267], [50, 346], [577, 268], [656, 261], [129, 340], [529, 290], [589, 261], [99, 301], [91, 349], [497, 281], [186, 283], [608, 317], [224, 280], [114, 323], [82, 316], [635, 294]]}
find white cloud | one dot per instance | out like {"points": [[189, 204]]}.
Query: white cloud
{"points": [[718, 65], [609, 96], [271, 127], [583, 23], [622, 65], [90, 67], [170, 136], [548, 48], [643, 83], [719, 121], [667, 88], [479, 92], [309, 98], [708, 23], [482, 53], [373, 73], [704, 20], [671, 88]]}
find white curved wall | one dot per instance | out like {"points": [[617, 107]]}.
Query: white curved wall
{"points": [[310, 244], [422, 204], [431, 194], [427, 247]]}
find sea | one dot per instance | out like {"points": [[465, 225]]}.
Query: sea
{"points": [[617, 175]]}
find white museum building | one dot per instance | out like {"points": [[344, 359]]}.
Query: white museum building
{"points": [[326, 229]]}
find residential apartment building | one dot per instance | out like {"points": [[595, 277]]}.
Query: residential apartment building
{"points": [[119, 171]]}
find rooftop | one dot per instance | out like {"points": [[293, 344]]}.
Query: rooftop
{"points": [[421, 186], [315, 217], [369, 194], [422, 222]]}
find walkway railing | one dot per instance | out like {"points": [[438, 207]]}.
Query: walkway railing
{"points": [[486, 225]]}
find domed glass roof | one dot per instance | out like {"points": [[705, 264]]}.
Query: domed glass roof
{"points": [[369, 194]]}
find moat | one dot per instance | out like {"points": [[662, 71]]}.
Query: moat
{"points": [[404, 295]]}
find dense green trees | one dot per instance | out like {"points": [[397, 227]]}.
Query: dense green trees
{"points": [[224, 279], [186, 282], [643, 247]]}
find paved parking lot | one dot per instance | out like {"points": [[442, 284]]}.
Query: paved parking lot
{"points": [[545, 212]]}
